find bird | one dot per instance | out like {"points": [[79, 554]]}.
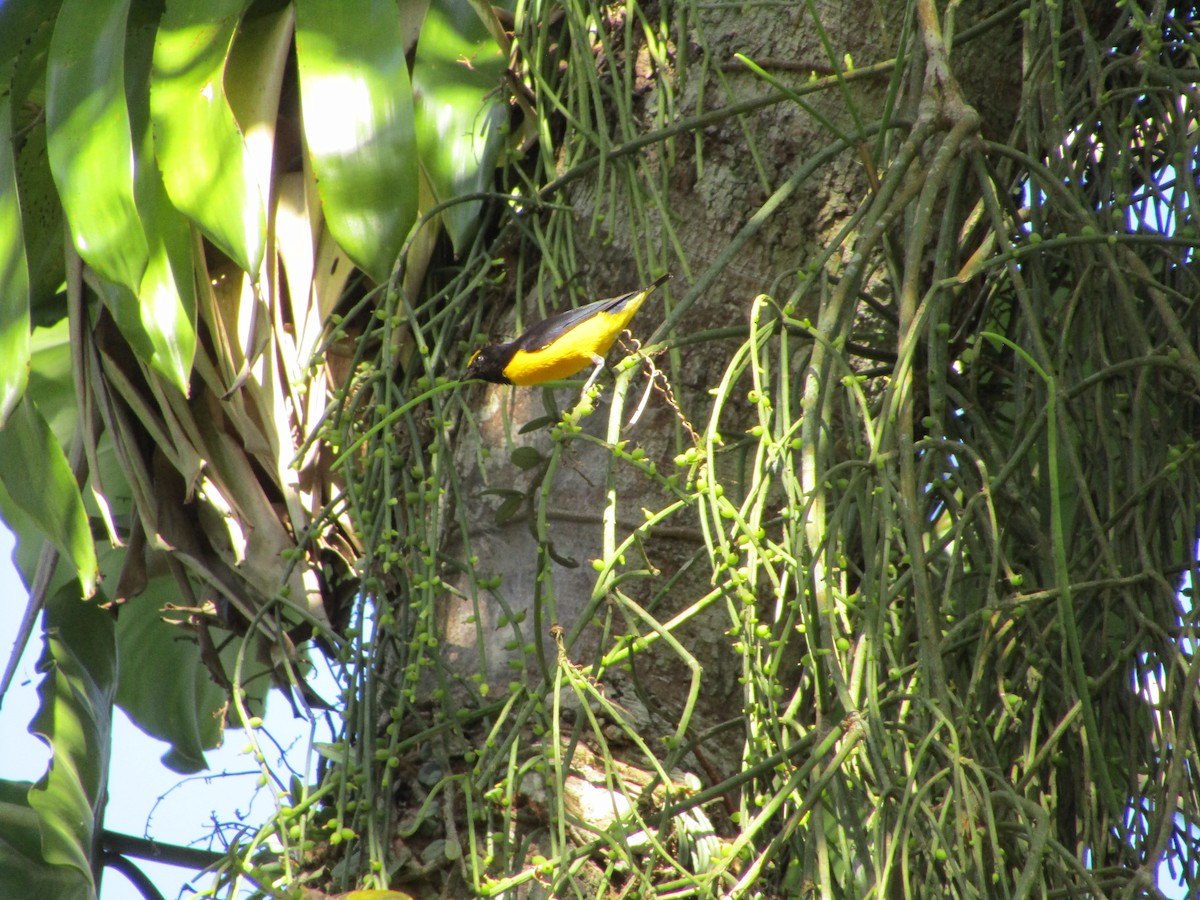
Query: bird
{"points": [[562, 345]]}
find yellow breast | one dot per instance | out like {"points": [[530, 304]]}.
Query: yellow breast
{"points": [[571, 352]]}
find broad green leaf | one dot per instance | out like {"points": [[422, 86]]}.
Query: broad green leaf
{"points": [[460, 116], [41, 209], [14, 276], [21, 24], [357, 107], [31, 542], [197, 140], [37, 477], [254, 76], [75, 720], [91, 151], [166, 304], [52, 391], [51, 383], [23, 870], [160, 322], [164, 686], [20, 21]]}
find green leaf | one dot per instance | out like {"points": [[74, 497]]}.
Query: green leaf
{"points": [[26, 27], [20, 20], [357, 106], [18, 825], [24, 35], [14, 276], [199, 145], [75, 720], [37, 477], [91, 151], [460, 116], [164, 686], [52, 391], [526, 458], [539, 423], [514, 502], [254, 74], [51, 382], [166, 306], [42, 223], [23, 870], [160, 323]]}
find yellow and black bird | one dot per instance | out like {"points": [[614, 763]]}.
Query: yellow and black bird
{"points": [[562, 345]]}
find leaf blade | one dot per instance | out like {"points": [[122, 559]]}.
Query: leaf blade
{"points": [[14, 277], [75, 720], [210, 180], [459, 114], [164, 686], [37, 477], [357, 105], [89, 139]]}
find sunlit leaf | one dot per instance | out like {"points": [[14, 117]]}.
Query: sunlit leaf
{"points": [[460, 113], [358, 125], [91, 151], [209, 180], [254, 75], [14, 276], [167, 297], [160, 322]]}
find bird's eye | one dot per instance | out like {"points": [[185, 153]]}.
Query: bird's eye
{"points": [[474, 356]]}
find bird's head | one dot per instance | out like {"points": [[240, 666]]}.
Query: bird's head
{"points": [[488, 364]]}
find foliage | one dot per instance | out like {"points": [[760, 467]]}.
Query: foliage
{"points": [[164, 372], [937, 499], [948, 545], [75, 718]]}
